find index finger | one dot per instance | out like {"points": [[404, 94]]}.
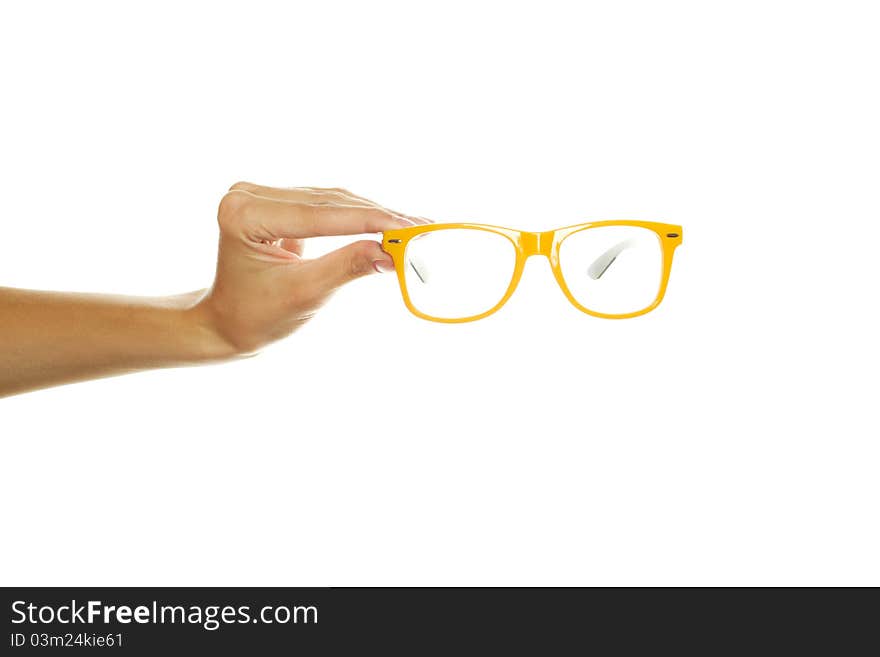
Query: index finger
{"points": [[338, 195], [271, 219]]}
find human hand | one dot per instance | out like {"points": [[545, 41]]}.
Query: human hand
{"points": [[264, 288]]}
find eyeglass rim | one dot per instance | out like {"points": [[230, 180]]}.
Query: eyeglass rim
{"points": [[527, 244]]}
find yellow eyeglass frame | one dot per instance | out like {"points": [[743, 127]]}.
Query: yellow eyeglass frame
{"points": [[528, 244]]}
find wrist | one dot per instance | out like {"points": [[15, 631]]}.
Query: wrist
{"points": [[206, 341]]}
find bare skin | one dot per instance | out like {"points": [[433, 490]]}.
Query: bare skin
{"points": [[264, 289]]}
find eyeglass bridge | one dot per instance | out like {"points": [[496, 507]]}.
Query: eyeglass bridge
{"points": [[536, 243]]}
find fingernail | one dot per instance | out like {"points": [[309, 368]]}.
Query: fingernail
{"points": [[383, 266]]}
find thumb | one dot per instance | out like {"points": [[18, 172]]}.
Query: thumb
{"points": [[352, 261]]}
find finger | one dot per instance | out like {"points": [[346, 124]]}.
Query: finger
{"points": [[341, 193], [344, 193], [312, 195], [338, 267], [294, 246], [347, 197], [315, 195], [261, 219]]}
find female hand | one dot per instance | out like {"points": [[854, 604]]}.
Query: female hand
{"points": [[264, 288]]}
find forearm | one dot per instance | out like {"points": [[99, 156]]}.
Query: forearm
{"points": [[50, 338], [264, 290]]}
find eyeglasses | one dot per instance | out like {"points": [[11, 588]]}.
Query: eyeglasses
{"points": [[464, 272]]}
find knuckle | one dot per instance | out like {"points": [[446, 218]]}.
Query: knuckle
{"points": [[242, 185], [356, 268], [232, 208], [340, 191], [361, 260]]}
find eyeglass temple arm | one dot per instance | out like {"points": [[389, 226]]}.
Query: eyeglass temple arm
{"points": [[419, 268], [603, 262]]}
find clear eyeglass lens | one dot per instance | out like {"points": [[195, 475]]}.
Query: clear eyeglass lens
{"points": [[614, 270], [458, 272]]}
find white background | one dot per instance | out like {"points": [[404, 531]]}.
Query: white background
{"points": [[729, 437]]}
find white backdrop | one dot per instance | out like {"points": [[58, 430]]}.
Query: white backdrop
{"points": [[729, 437]]}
